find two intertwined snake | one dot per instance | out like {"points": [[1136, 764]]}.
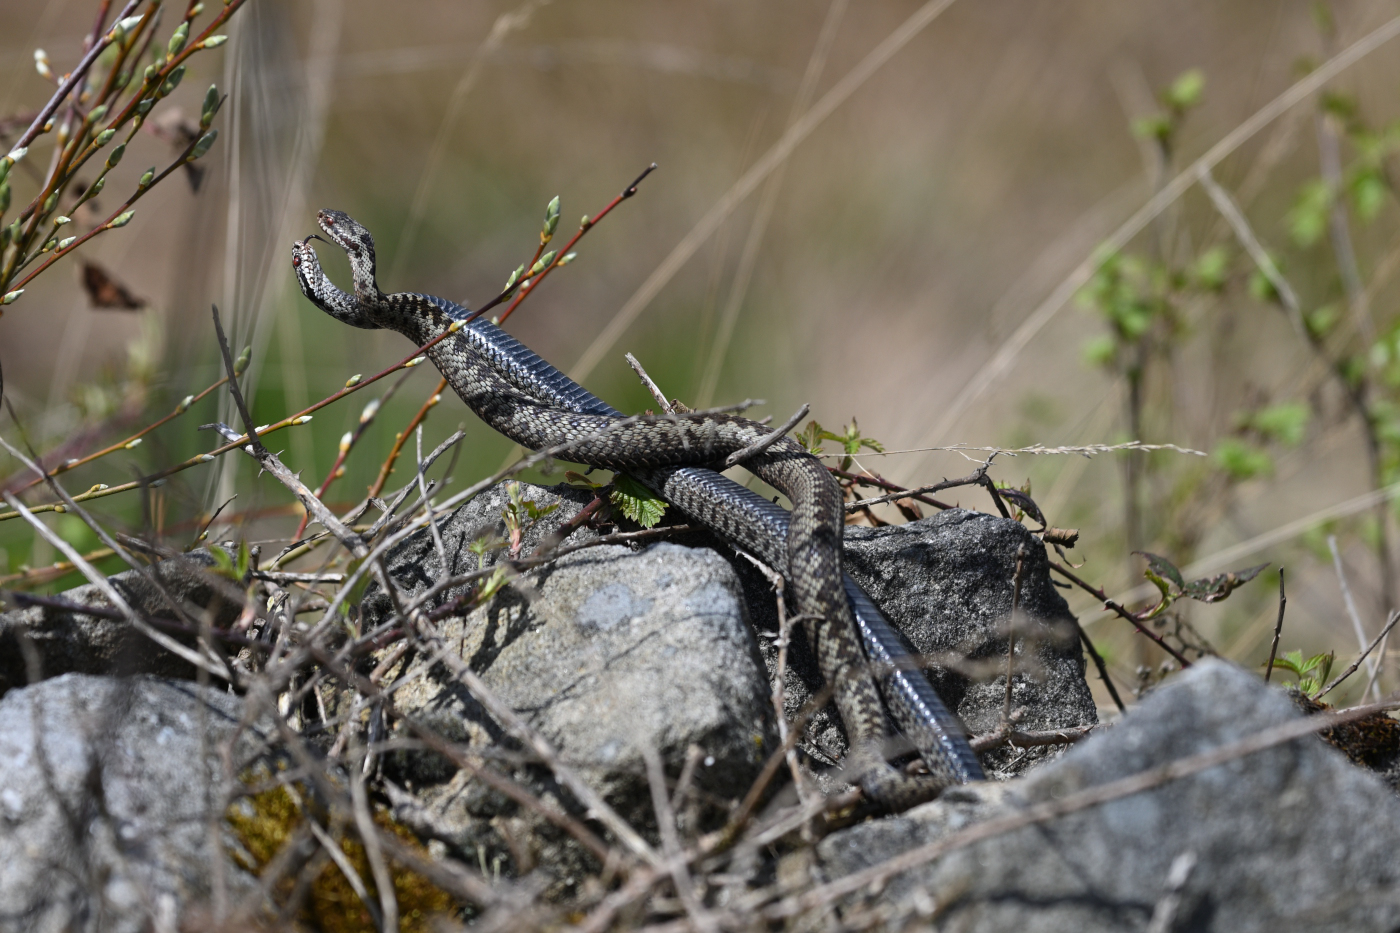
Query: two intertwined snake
{"points": [[537, 406]]}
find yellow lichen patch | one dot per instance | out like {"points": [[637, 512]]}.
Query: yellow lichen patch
{"points": [[264, 822]]}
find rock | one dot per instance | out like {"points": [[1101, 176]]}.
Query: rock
{"points": [[605, 652], [74, 642], [1292, 838], [106, 791], [946, 583]]}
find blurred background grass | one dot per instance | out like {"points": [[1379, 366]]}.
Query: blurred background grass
{"points": [[909, 236]]}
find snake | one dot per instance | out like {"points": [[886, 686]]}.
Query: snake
{"points": [[531, 402]]}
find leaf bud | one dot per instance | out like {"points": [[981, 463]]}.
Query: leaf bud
{"points": [[451, 328], [145, 106], [66, 242], [213, 42], [353, 381], [539, 264], [103, 138], [121, 220], [50, 202], [134, 442], [115, 158], [211, 106], [172, 82], [10, 297], [414, 362], [345, 440], [551, 220], [177, 40], [205, 458], [184, 405], [567, 258], [150, 73], [514, 277], [41, 64], [147, 178], [241, 363], [60, 220], [96, 114], [126, 25], [201, 147], [4, 197], [369, 411], [547, 258]]}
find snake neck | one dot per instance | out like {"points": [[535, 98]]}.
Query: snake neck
{"points": [[323, 293]]}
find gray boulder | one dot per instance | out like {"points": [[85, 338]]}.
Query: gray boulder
{"points": [[108, 790], [69, 642], [605, 653], [1292, 838], [946, 583]]}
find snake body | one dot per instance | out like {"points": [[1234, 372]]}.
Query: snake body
{"points": [[522, 396]]}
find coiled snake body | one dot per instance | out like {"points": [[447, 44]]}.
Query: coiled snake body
{"points": [[537, 406]]}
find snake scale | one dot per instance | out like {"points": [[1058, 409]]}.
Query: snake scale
{"points": [[534, 404]]}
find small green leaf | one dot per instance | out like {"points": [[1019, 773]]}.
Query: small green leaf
{"points": [[1214, 589], [1241, 460], [1211, 269], [1185, 92], [1100, 350], [1285, 422], [1307, 221], [244, 559], [1156, 564], [636, 501]]}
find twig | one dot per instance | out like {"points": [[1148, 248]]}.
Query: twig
{"points": [[528, 287], [402, 436], [1278, 628], [865, 479], [1236, 219], [768, 440], [1101, 666], [1350, 604], [1164, 914], [1389, 624], [1066, 736], [651, 386], [976, 478], [671, 843], [1110, 604], [1011, 633], [269, 461]]}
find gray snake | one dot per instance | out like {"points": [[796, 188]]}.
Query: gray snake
{"points": [[534, 404]]}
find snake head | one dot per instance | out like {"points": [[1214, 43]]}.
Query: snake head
{"points": [[350, 235], [321, 291]]}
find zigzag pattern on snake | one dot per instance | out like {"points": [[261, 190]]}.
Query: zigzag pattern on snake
{"points": [[507, 387]]}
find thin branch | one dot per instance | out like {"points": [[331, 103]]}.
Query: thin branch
{"points": [[651, 385], [1278, 628], [1351, 606], [1389, 624], [768, 440], [1115, 607]]}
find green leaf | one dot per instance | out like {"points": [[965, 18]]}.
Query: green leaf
{"points": [[1211, 269], [1285, 422], [1100, 350], [1321, 321], [1241, 460], [1368, 191], [1214, 589], [244, 559], [1307, 221], [1185, 92], [1160, 566], [636, 501], [1157, 126]]}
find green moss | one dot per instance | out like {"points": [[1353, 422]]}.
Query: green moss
{"points": [[264, 822]]}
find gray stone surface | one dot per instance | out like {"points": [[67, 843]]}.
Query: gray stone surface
{"points": [[946, 582], [106, 792], [605, 652], [73, 642], [1293, 838]]}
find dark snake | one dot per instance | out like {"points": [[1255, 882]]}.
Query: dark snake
{"points": [[534, 404]]}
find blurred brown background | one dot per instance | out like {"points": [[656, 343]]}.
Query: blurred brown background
{"points": [[904, 240]]}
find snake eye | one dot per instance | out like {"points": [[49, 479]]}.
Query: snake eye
{"points": [[296, 260]]}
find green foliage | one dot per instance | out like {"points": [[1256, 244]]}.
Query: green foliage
{"points": [[1169, 581], [1312, 673], [1284, 423], [851, 441], [1242, 460], [235, 567], [1307, 220], [636, 501], [1211, 270], [1185, 92], [519, 515]]}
